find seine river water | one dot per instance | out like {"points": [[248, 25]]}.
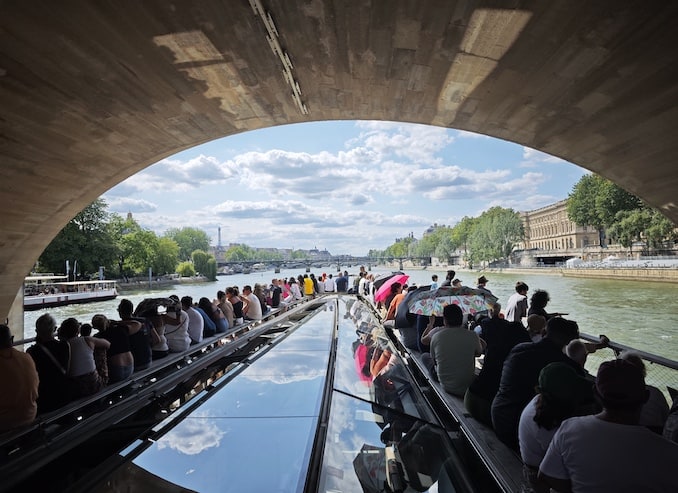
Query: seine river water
{"points": [[640, 314]]}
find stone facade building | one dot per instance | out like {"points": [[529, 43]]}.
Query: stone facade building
{"points": [[549, 228]]}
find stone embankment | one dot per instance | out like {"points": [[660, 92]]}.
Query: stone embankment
{"points": [[158, 283], [665, 274], [628, 274], [621, 274]]}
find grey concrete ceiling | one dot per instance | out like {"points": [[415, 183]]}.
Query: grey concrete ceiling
{"points": [[92, 92]]}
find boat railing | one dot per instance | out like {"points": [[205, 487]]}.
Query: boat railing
{"points": [[661, 372]]}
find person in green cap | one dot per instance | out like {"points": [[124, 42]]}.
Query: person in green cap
{"points": [[561, 393]]}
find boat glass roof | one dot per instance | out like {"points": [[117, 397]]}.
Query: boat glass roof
{"points": [[256, 433]]}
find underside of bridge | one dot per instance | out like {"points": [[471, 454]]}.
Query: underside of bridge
{"points": [[93, 92]]}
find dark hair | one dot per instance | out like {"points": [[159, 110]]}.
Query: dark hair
{"points": [[395, 287], [521, 286], [187, 301], [220, 294], [85, 329], [539, 299], [125, 308], [453, 315], [69, 328], [549, 413], [561, 330], [206, 305]]}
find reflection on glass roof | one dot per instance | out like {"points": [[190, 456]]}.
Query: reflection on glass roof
{"points": [[256, 433]]}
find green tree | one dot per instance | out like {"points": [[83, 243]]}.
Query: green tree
{"points": [[167, 257], [141, 248], [189, 240], [298, 254], [239, 253], [118, 228], [595, 201], [660, 230], [85, 240], [186, 269], [200, 259], [629, 226], [211, 269], [460, 234], [645, 223], [495, 235]]}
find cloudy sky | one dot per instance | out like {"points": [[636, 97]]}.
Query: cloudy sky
{"points": [[347, 187]]}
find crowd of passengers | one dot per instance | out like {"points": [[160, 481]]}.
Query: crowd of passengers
{"points": [[573, 431], [72, 360]]}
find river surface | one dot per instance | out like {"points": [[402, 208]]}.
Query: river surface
{"points": [[640, 314]]}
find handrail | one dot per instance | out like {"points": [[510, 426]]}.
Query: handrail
{"points": [[618, 348]]}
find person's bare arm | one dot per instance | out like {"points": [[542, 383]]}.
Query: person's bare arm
{"points": [[592, 347], [97, 342]]}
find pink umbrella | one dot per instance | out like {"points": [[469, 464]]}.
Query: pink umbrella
{"points": [[385, 288]]}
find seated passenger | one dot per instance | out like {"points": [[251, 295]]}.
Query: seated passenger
{"points": [[119, 355], [261, 296], [453, 352], [610, 451], [159, 346], [176, 329], [85, 379], [18, 385], [500, 337], [226, 308], [656, 410], [233, 296], [139, 330], [520, 374], [252, 307], [51, 359], [406, 322], [196, 323], [561, 394]]}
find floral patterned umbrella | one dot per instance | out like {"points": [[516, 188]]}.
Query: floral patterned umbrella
{"points": [[471, 301]]}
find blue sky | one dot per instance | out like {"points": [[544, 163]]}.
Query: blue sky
{"points": [[347, 186]]}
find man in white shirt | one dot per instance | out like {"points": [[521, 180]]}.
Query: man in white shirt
{"points": [[330, 284], [516, 308], [362, 285], [252, 310]]}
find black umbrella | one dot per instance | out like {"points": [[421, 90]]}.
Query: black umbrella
{"points": [[149, 306]]}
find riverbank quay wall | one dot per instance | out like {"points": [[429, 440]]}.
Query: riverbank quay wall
{"points": [[668, 275], [658, 275], [621, 274]]}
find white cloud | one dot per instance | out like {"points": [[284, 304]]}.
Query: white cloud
{"points": [[535, 159], [123, 205], [389, 179], [193, 435]]}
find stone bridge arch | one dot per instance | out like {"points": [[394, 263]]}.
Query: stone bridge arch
{"points": [[92, 92]]}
